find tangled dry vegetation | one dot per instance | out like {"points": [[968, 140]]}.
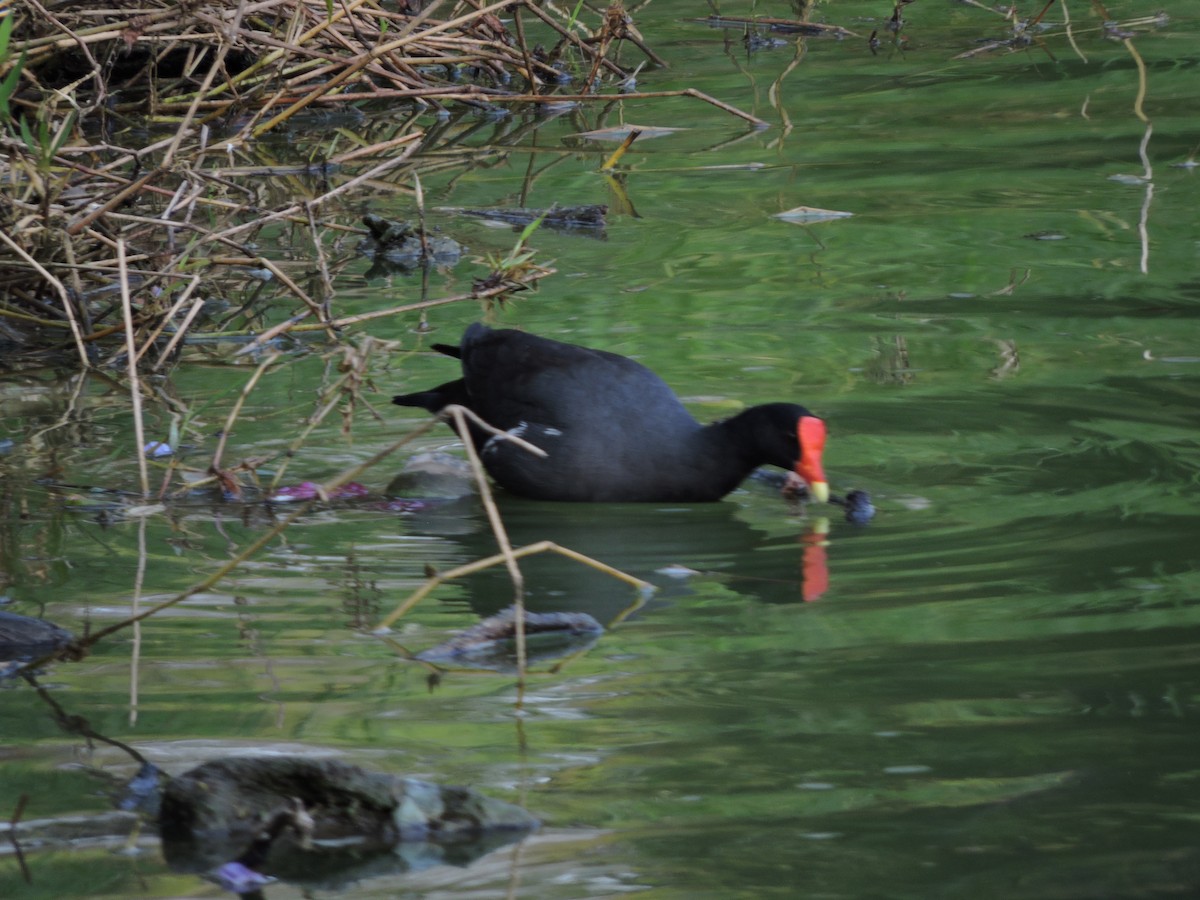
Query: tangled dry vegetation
{"points": [[137, 169], [149, 160]]}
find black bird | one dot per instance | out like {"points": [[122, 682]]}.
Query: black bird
{"points": [[612, 429]]}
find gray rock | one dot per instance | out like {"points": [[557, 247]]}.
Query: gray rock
{"points": [[214, 813]]}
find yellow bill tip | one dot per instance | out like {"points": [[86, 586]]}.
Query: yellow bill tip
{"points": [[819, 491]]}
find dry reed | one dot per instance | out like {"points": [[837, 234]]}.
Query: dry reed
{"points": [[208, 82]]}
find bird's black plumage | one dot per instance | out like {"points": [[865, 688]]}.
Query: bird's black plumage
{"points": [[612, 429]]}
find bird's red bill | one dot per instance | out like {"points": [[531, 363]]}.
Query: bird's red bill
{"points": [[810, 431]]}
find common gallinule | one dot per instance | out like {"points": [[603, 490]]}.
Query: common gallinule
{"points": [[612, 429]]}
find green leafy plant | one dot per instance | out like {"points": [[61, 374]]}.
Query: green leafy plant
{"points": [[574, 15], [518, 256], [510, 272], [13, 77], [47, 141], [42, 138]]}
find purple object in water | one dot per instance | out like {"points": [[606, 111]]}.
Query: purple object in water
{"points": [[307, 490], [240, 879]]}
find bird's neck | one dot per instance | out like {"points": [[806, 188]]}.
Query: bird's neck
{"points": [[730, 450]]}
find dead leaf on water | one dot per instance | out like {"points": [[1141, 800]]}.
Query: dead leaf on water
{"points": [[732, 167], [811, 214], [141, 512], [1128, 179], [620, 132]]}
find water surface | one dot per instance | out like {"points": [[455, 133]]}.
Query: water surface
{"points": [[991, 691]]}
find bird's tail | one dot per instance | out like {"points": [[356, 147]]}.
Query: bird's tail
{"points": [[437, 398]]}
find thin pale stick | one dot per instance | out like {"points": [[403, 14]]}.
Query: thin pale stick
{"points": [[455, 410], [322, 264], [485, 493], [215, 465], [520, 28], [373, 149], [175, 307], [180, 332], [135, 388], [135, 655], [490, 561], [1070, 34]]}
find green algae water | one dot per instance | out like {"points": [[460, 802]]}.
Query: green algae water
{"points": [[991, 691]]}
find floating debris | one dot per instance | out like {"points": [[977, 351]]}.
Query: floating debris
{"points": [[407, 505], [675, 570], [620, 132], [858, 506], [143, 510], [560, 217], [811, 214], [782, 26], [859, 509], [754, 42]]}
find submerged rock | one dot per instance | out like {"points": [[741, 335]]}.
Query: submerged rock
{"points": [[492, 644], [216, 814], [434, 475], [399, 245], [23, 638]]}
